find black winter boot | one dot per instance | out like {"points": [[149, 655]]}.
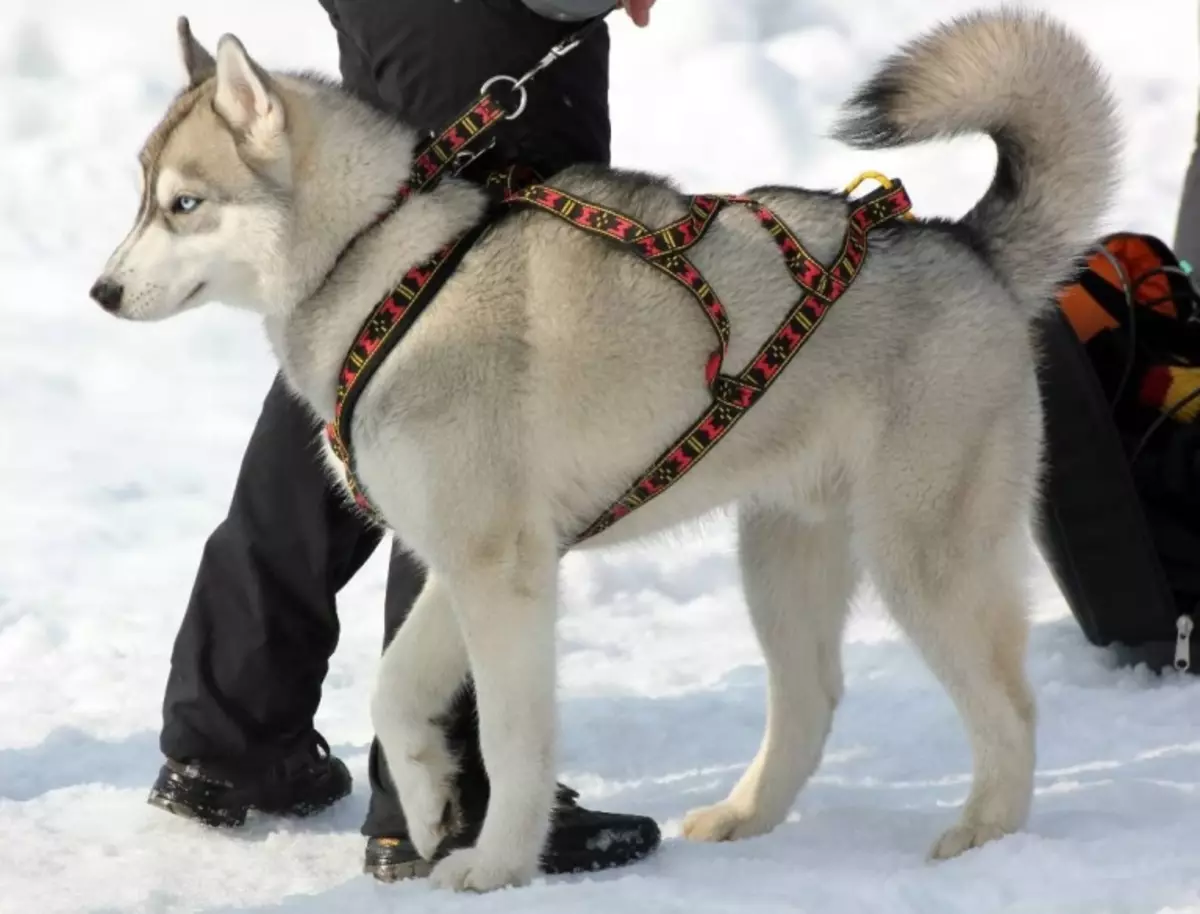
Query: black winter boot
{"points": [[581, 841], [304, 783]]}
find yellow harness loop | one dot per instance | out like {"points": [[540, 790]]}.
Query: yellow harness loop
{"points": [[879, 178]]}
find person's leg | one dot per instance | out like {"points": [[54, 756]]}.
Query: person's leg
{"points": [[255, 641]]}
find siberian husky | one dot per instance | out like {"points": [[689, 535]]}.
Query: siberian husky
{"points": [[903, 442]]}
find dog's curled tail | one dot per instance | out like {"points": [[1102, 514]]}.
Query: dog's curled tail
{"points": [[1032, 86]]}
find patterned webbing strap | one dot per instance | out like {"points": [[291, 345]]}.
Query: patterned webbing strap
{"points": [[390, 320], [441, 153], [664, 248]]}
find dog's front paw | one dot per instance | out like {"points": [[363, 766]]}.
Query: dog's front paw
{"points": [[424, 778], [984, 819], [965, 837], [723, 822], [471, 870]]}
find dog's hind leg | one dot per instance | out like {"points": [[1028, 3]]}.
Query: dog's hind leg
{"points": [[799, 578], [945, 548]]}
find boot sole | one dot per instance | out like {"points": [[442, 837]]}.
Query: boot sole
{"points": [[399, 872], [213, 818]]}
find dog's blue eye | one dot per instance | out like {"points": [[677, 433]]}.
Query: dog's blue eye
{"points": [[184, 203]]}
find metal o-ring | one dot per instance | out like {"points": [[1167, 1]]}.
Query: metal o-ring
{"points": [[516, 85]]}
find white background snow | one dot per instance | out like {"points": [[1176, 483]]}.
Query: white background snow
{"points": [[121, 442]]}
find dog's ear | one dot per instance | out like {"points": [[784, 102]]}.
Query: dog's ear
{"points": [[247, 99], [198, 63]]}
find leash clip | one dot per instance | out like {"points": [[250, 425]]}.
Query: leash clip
{"points": [[562, 49]]}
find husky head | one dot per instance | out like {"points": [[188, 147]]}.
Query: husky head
{"points": [[215, 192]]}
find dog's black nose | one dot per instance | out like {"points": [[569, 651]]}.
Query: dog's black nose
{"points": [[108, 294]]}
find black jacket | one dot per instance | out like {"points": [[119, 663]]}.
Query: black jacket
{"points": [[425, 61]]}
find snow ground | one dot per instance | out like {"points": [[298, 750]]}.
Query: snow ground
{"points": [[122, 443]]}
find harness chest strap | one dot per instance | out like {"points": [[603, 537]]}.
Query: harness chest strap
{"points": [[663, 248], [389, 322]]}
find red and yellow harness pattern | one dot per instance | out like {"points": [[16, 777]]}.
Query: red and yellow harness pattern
{"points": [[664, 248]]}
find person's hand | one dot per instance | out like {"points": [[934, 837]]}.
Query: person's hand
{"points": [[638, 10]]}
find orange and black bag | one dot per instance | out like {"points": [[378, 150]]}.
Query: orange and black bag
{"points": [[1120, 518]]}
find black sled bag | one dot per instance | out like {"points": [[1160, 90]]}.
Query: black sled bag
{"points": [[1119, 519]]}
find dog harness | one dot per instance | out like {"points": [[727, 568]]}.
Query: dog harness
{"points": [[664, 248]]}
